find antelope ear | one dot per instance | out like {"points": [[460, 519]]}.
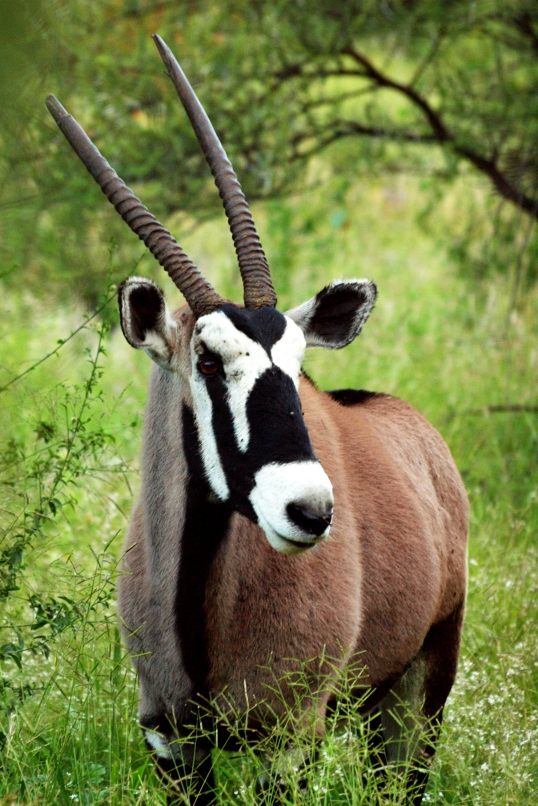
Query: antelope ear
{"points": [[336, 315], [146, 322]]}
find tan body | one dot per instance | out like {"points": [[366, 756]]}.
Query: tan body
{"points": [[393, 567]]}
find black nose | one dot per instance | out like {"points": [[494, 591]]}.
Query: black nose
{"points": [[310, 521]]}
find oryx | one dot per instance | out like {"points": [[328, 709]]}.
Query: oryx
{"points": [[276, 524]]}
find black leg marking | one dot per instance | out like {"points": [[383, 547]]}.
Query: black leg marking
{"points": [[440, 650], [411, 709]]}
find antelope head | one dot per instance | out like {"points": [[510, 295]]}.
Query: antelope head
{"points": [[244, 363]]}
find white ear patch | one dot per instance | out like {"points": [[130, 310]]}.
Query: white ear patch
{"points": [[288, 352]]}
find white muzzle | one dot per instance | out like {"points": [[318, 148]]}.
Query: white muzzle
{"points": [[294, 504]]}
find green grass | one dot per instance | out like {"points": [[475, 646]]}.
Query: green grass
{"points": [[68, 710]]}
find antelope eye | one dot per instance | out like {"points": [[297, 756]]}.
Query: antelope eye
{"points": [[208, 366]]}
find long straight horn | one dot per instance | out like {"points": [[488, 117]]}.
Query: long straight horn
{"points": [[198, 292], [257, 285]]}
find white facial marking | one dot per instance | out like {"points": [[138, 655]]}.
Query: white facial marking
{"points": [[203, 414], [243, 361], [288, 352], [303, 484], [278, 485]]}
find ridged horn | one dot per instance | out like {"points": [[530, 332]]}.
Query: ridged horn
{"points": [[257, 285], [198, 292]]}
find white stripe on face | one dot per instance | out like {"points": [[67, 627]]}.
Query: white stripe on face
{"points": [[292, 499], [244, 361], [203, 413], [288, 352]]}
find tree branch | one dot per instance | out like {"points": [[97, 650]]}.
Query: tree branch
{"points": [[443, 135], [434, 50], [340, 129], [295, 70], [440, 132], [499, 180], [336, 99]]}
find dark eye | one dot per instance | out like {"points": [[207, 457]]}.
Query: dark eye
{"points": [[208, 366]]}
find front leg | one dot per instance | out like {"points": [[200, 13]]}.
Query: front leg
{"points": [[185, 766], [189, 783], [287, 770]]}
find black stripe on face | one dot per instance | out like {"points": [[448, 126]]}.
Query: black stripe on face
{"points": [[264, 325], [278, 432]]}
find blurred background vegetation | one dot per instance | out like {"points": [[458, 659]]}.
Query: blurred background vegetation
{"points": [[394, 139], [441, 90]]}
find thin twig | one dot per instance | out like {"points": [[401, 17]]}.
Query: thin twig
{"points": [[430, 56], [60, 344], [73, 333]]}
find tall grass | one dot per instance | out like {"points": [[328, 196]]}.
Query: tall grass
{"points": [[67, 693]]}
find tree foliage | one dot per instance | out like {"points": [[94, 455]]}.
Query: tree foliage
{"points": [[435, 87]]}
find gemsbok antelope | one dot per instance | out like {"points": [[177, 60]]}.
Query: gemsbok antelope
{"points": [[276, 523]]}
